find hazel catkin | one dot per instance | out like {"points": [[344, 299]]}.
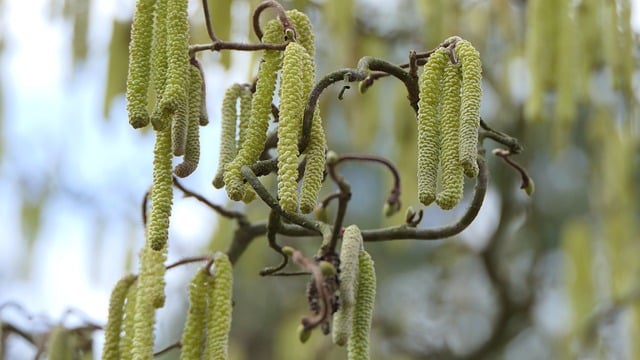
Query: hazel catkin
{"points": [[349, 265], [451, 174], [113, 329], [192, 146], [140, 63], [358, 345], [428, 126], [193, 334], [289, 126], [227, 132], [260, 110], [175, 88], [220, 309], [471, 95]]}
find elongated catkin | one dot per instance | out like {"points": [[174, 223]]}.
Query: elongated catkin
{"points": [[260, 110], [470, 107], [289, 126], [451, 174], [140, 64], [428, 126], [349, 270]]}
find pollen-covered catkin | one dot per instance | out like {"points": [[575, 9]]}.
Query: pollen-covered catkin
{"points": [[192, 146], [128, 324], [260, 110], [176, 83], [149, 296], [227, 132], [470, 107], [245, 114], [358, 345], [113, 329], [161, 191], [140, 63], [180, 127], [193, 334], [291, 109], [428, 126], [304, 30], [349, 265], [451, 173], [220, 309], [315, 151]]}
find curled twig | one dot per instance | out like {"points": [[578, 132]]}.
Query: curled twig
{"points": [[282, 16]]}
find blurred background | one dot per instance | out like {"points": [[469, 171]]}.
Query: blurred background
{"points": [[551, 276]]}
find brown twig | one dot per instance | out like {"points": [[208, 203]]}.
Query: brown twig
{"points": [[282, 16], [240, 217]]}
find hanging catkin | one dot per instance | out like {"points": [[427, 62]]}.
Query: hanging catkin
{"points": [[451, 174], [358, 345], [291, 108], [260, 110], [470, 106], [220, 309], [193, 334], [192, 145], [227, 132], [113, 329], [349, 265], [140, 63], [428, 126]]}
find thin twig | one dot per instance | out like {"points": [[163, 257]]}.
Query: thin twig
{"points": [[406, 232], [282, 16], [272, 228], [207, 21], [217, 208]]}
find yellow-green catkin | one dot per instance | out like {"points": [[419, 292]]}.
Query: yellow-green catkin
{"points": [[149, 297], [245, 114], [192, 146], [292, 106], [174, 94], [243, 124], [315, 151], [180, 127], [451, 172], [358, 345], [428, 126], [260, 110], [220, 309], [470, 107], [140, 63], [349, 265], [620, 44], [113, 329], [193, 334], [227, 132], [159, 62], [304, 30], [128, 324], [150, 292]]}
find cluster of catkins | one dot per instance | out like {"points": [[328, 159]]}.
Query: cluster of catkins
{"points": [[448, 121], [352, 320], [244, 134], [160, 65]]}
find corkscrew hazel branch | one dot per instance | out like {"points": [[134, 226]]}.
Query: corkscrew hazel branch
{"points": [[393, 201], [527, 183], [315, 226], [282, 16], [240, 217], [343, 202], [407, 232], [272, 228]]}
